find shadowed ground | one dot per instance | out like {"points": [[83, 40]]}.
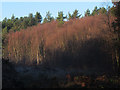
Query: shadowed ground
{"points": [[16, 76]]}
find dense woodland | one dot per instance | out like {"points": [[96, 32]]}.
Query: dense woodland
{"points": [[67, 41], [75, 42]]}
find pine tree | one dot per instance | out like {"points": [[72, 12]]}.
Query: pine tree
{"points": [[87, 13], [38, 17], [61, 18], [74, 15], [48, 17], [95, 11]]}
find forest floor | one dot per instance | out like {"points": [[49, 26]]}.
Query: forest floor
{"points": [[46, 77]]}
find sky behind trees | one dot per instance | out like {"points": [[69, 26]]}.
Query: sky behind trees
{"points": [[20, 9]]}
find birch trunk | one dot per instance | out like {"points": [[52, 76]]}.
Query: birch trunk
{"points": [[37, 58]]}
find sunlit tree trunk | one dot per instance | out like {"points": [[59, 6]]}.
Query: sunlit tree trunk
{"points": [[38, 58]]}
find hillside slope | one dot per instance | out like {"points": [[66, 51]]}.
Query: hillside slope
{"points": [[78, 43]]}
